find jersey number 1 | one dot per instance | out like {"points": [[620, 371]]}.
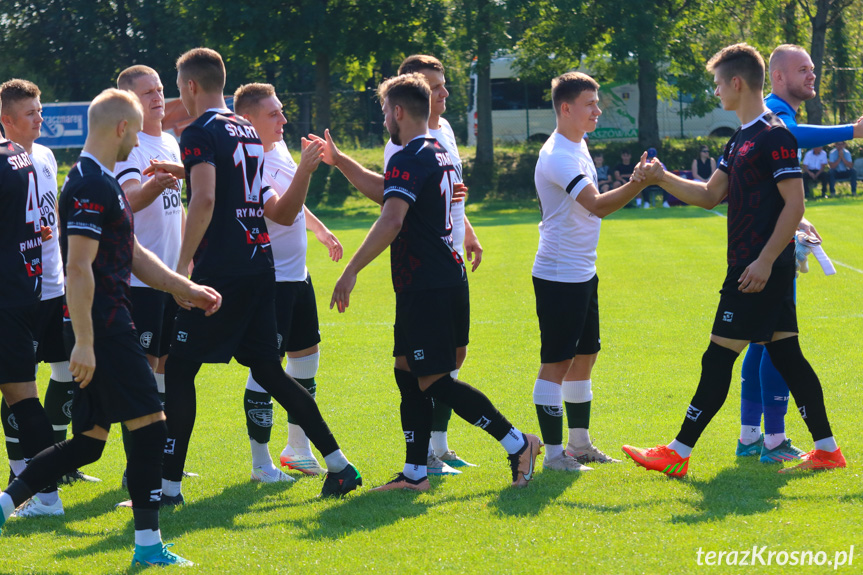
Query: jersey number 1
{"points": [[446, 189], [250, 154], [31, 208]]}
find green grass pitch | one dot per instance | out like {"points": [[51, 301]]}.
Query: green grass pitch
{"points": [[660, 272]]}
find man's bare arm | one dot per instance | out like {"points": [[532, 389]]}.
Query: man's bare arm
{"points": [[80, 287], [200, 213], [142, 195], [703, 194], [283, 209], [602, 205], [370, 183]]}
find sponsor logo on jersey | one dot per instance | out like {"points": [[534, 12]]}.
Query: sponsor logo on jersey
{"points": [[30, 244], [261, 417], [250, 212], [395, 173], [239, 131], [784, 154], [443, 159], [20, 161], [87, 206], [727, 316], [419, 354], [692, 413], [257, 239], [47, 171], [146, 339], [747, 145], [483, 422], [34, 268], [409, 436]]}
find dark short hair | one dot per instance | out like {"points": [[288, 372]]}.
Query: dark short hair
{"points": [[204, 66], [741, 60], [126, 79], [420, 62], [248, 96], [17, 90], [567, 87], [410, 91]]}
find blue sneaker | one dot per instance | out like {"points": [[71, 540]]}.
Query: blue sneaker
{"points": [[782, 452], [751, 449], [158, 554]]}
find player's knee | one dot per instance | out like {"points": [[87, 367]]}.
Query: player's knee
{"points": [[85, 450], [305, 367]]}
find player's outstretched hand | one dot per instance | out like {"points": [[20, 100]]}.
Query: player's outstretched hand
{"points": [[331, 153], [165, 180], [313, 153], [82, 364], [858, 128], [173, 168], [754, 277], [46, 232], [653, 172], [638, 173], [342, 292], [333, 244], [459, 192]]}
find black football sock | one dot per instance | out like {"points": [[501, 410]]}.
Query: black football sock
{"points": [[44, 469], [470, 404], [259, 415], [144, 468], [716, 365], [577, 414], [35, 432], [58, 406], [550, 423], [180, 411], [10, 431], [297, 401], [416, 413], [441, 415], [803, 383], [311, 386]]}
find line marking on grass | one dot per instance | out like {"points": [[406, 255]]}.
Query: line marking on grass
{"points": [[853, 269], [720, 214]]}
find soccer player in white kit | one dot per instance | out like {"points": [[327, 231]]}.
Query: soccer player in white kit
{"points": [[441, 459], [296, 310], [564, 272]]}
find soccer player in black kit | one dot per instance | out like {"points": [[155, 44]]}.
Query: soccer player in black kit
{"points": [[115, 381], [760, 175], [228, 239], [432, 310]]}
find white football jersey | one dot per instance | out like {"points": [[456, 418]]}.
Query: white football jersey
{"points": [[159, 226], [568, 233], [45, 166], [289, 242], [446, 137]]}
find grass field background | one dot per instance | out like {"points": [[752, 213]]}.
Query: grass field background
{"points": [[660, 271]]}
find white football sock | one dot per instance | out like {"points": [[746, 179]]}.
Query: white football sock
{"points": [[147, 537], [261, 455], [298, 440], [749, 434], [335, 461], [171, 488], [773, 440], [579, 436], [6, 505], [439, 443], [682, 450], [827, 444], [513, 441], [552, 451], [160, 387], [18, 466], [48, 498], [415, 472]]}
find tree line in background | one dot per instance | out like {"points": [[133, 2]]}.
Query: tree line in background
{"points": [[314, 51]]}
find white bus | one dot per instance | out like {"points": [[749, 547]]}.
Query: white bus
{"points": [[522, 111]]}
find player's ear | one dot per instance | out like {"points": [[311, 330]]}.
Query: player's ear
{"points": [[121, 128]]}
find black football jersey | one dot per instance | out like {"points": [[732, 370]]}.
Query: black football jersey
{"points": [[237, 241], [757, 157], [422, 256], [20, 232]]}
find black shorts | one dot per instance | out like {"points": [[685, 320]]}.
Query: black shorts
{"points": [[568, 318], [756, 316], [297, 315], [244, 327], [122, 388], [153, 314], [18, 344], [49, 332], [430, 326]]}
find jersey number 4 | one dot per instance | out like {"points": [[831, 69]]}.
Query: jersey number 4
{"points": [[31, 208], [250, 156]]}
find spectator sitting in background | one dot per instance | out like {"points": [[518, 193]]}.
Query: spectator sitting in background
{"points": [[603, 179], [815, 168], [651, 191], [623, 170], [842, 168], [703, 166]]}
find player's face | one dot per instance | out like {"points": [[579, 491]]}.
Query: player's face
{"points": [[799, 74], [585, 112], [151, 93], [130, 138], [725, 92], [268, 120], [25, 120], [390, 122], [439, 93]]}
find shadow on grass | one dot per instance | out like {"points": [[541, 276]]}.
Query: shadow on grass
{"points": [[544, 490], [218, 511], [748, 488]]}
